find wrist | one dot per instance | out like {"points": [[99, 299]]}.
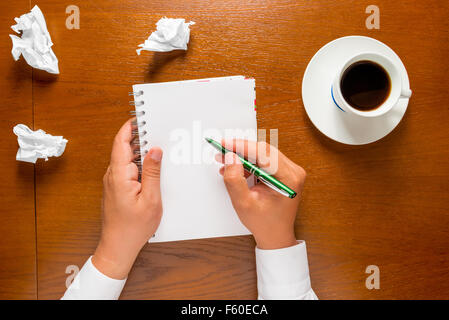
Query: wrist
{"points": [[276, 241], [113, 260]]}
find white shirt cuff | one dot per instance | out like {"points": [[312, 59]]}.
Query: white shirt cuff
{"points": [[284, 273], [91, 284]]}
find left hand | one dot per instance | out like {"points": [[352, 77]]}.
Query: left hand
{"points": [[132, 210]]}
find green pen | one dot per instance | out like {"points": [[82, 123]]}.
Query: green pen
{"points": [[262, 175]]}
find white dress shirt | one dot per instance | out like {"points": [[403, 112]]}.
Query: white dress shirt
{"points": [[281, 274]]}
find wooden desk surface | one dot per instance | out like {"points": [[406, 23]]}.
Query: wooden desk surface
{"points": [[18, 279], [383, 204]]}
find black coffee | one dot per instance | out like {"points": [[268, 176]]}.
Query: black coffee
{"points": [[365, 85]]}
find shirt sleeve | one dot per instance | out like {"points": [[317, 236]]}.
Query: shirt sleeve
{"points": [[284, 274], [91, 284]]}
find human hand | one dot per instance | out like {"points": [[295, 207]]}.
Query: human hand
{"points": [[132, 210], [269, 215]]}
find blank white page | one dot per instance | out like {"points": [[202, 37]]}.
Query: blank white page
{"points": [[178, 116]]}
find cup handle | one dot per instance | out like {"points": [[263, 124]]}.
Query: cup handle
{"points": [[406, 93]]}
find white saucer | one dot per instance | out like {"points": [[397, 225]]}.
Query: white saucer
{"points": [[338, 125]]}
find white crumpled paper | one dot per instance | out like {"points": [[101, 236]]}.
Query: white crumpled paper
{"points": [[37, 144], [35, 42], [171, 34]]}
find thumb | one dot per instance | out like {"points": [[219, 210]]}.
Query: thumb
{"points": [[151, 173], [234, 178]]}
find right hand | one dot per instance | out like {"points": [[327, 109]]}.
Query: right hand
{"points": [[269, 215]]}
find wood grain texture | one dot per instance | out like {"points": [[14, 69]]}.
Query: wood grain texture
{"points": [[17, 215], [384, 204]]}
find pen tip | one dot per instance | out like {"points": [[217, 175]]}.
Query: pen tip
{"points": [[208, 139]]}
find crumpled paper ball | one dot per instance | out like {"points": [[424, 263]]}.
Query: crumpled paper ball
{"points": [[171, 34], [35, 42], [37, 144]]}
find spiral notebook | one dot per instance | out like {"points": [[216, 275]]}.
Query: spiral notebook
{"points": [[177, 116]]}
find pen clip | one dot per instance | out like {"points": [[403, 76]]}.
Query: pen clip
{"points": [[270, 185]]}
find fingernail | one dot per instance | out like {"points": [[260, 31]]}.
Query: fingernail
{"points": [[156, 154]]}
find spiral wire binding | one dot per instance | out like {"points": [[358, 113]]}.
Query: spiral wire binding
{"points": [[138, 138]]}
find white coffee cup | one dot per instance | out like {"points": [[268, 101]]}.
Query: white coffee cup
{"points": [[399, 89]]}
